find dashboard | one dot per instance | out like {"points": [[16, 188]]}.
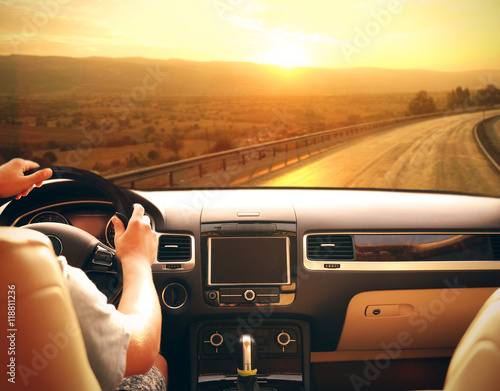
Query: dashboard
{"points": [[321, 278], [93, 218]]}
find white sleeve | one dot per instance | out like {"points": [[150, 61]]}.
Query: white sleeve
{"points": [[104, 329]]}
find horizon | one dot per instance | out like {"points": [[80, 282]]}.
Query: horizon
{"points": [[291, 69], [326, 34]]}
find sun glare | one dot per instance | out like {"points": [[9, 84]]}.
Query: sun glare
{"points": [[287, 55]]}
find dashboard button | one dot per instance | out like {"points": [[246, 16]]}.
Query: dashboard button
{"points": [[212, 295], [249, 295], [283, 338], [216, 339], [286, 342], [174, 296]]}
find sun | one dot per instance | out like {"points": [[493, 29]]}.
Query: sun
{"points": [[287, 55]]}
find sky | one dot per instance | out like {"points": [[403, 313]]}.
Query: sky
{"points": [[447, 35]]}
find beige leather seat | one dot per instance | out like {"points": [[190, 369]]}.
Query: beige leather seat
{"points": [[475, 364], [44, 332]]}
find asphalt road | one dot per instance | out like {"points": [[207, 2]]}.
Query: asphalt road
{"points": [[439, 154]]}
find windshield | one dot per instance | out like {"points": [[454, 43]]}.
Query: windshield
{"points": [[381, 94]]}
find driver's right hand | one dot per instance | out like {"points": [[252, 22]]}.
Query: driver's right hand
{"points": [[137, 243]]}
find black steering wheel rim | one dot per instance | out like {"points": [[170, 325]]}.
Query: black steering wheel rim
{"points": [[121, 203]]}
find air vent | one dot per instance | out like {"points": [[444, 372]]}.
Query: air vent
{"points": [[174, 248], [329, 247], [495, 246]]}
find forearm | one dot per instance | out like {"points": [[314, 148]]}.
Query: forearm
{"points": [[139, 302]]}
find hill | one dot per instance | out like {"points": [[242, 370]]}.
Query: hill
{"points": [[34, 75]]}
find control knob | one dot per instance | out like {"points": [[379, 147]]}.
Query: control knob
{"points": [[216, 339], [284, 339]]}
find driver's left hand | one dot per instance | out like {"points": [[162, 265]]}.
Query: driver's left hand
{"points": [[13, 182]]}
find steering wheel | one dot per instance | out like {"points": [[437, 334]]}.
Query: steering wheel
{"points": [[82, 249]]}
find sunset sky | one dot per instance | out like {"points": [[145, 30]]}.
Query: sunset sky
{"points": [[446, 35]]}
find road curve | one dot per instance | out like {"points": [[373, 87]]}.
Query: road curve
{"points": [[439, 154]]}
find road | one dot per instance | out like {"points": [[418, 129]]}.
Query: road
{"points": [[439, 154]]}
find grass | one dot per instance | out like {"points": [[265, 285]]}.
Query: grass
{"points": [[96, 134]]}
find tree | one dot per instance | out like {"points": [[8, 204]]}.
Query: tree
{"points": [[174, 142], [310, 120], [488, 96], [223, 143], [52, 144], [10, 151], [153, 155], [150, 130], [50, 157], [77, 119], [459, 98], [46, 160], [423, 103], [40, 121]]}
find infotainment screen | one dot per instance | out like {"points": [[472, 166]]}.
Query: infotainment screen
{"points": [[248, 261]]}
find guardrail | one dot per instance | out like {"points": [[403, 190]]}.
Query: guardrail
{"points": [[238, 165], [488, 139]]}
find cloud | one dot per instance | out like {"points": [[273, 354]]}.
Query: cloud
{"points": [[244, 17]]}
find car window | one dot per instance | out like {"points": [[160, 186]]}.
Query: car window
{"points": [[380, 94]]}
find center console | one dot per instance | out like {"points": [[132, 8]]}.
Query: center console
{"points": [[249, 263], [250, 268], [282, 354]]}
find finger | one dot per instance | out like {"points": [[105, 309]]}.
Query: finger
{"points": [[28, 164], [138, 212], [27, 191], [118, 226], [24, 193], [39, 176]]}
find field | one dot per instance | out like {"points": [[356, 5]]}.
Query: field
{"points": [[111, 134]]}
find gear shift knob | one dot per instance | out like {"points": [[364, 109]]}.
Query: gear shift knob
{"points": [[246, 355]]}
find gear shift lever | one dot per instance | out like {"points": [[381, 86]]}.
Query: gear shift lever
{"points": [[246, 353]]}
